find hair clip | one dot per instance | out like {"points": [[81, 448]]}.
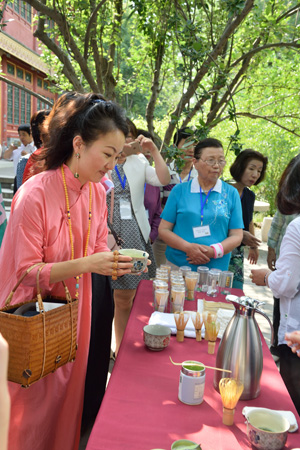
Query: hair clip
{"points": [[98, 100]]}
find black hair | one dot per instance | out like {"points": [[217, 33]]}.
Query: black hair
{"points": [[239, 166], [288, 196], [131, 128], [205, 143], [35, 122], [25, 127], [182, 133], [75, 114]]}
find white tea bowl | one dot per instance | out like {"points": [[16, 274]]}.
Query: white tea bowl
{"points": [[139, 259]]}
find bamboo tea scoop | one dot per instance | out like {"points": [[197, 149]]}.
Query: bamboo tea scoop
{"points": [[193, 363]]}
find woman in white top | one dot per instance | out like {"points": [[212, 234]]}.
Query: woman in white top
{"points": [[285, 280], [130, 220]]}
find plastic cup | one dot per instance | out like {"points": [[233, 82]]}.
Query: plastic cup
{"points": [[226, 281], [191, 282], [161, 300], [203, 276], [184, 270], [213, 283], [177, 298], [166, 267], [162, 275]]}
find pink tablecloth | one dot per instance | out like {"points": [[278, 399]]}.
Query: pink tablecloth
{"points": [[141, 410]]}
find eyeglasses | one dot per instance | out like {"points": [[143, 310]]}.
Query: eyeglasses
{"points": [[213, 162]]}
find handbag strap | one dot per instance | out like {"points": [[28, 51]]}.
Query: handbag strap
{"points": [[39, 296], [10, 296], [112, 199]]}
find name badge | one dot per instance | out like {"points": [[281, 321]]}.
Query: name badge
{"points": [[201, 231], [125, 209], [147, 213]]}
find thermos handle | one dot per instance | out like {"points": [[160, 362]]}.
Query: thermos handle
{"points": [[270, 323]]}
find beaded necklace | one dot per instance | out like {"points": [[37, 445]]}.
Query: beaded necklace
{"points": [[70, 225]]}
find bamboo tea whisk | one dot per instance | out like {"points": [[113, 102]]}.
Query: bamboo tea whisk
{"points": [[208, 317], [181, 319], [230, 390], [212, 329], [198, 322]]}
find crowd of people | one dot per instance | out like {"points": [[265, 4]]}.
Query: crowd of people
{"points": [[89, 169]]}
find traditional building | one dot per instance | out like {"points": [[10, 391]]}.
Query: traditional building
{"points": [[20, 63]]}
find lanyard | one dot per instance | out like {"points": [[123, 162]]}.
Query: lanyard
{"points": [[123, 182], [188, 177], [203, 203]]}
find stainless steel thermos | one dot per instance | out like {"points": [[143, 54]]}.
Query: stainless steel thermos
{"points": [[240, 349]]}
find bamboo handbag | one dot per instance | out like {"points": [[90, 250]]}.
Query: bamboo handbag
{"points": [[43, 342]]}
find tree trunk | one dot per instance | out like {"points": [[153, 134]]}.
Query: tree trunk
{"points": [[186, 97]]}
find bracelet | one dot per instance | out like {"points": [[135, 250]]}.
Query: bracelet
{"points": [[218, 250], [266, 278], [114, 275]]}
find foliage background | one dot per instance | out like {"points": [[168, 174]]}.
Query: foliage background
{"points": [[229, 68]]}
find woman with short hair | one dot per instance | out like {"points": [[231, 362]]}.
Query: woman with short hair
{"points": [[202, 220], [130, 220]]}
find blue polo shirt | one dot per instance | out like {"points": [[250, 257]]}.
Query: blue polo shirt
{"points": [[222, 212]]}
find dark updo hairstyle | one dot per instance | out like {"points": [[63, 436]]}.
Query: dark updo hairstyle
{"points": [[182, 133], [75, 114], [131, 128], [205, 143], [35, 122], [241, 161], [288, 196]]}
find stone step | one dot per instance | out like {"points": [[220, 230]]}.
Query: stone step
{"points": [[7, 182], [7, 186], [7, 193], [7, 203], [6, 178]]}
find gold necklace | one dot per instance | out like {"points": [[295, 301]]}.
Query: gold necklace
{"points": [[70, 225]]}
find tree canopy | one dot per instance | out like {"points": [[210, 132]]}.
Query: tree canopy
{"points": [[213, 64]]}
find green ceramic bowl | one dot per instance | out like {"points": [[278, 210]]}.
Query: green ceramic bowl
{"points": [[183, 444]]}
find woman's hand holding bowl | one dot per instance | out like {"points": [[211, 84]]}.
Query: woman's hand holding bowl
{"points": [[104, 263]]}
